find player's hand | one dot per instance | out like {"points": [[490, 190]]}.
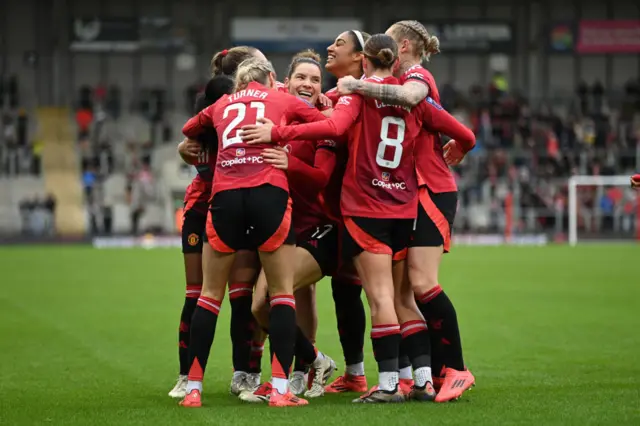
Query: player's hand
{"points": [[347, 85], [635, 181], [327, 112], [277, 157], [453, 153], [324, 101], [257, 133], [189, 150]]}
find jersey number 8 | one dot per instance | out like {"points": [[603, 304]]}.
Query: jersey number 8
{"points": [[242, 111], [386, 141]]}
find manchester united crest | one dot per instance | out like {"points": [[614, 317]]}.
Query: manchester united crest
{"points": [[193, 239]]}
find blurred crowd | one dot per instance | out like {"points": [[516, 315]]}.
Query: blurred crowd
{"points": [[19, 153], [37, 216], [525, 154], [111, 142], [20, 156]]}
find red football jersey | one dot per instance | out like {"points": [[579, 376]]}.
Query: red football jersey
{"points": [[198, 192], [311, 165], [238, 164], [436, 120], [330, 198], [281, 87], [333, 95], [380, 177], [431, 168]]}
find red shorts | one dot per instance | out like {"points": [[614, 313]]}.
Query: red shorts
{"points": [[256, 218], [196, 197]]}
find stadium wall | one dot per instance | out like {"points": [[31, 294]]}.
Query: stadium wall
{"points": [[36, 35]]}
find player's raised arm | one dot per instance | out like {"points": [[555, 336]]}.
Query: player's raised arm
{"points": [[338, 124], [343, 117], [409, 94], [196, 125], [436, 118], [301, 110]]}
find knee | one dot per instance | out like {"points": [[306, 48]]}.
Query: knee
{"points": [[423, 282], [405, 305], [213, 292], [380, 303], [405, 301]]}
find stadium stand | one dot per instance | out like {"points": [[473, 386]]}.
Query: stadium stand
{"points": [[61, 170]]}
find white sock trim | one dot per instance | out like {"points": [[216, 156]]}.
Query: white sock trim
{"points": [[423, 375], [406, 373], [281, 385], [193, 384], [388, 381], [355, 369]]}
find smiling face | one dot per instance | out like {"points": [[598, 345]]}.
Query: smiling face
{"points": [[342, 54], [306, 82]]}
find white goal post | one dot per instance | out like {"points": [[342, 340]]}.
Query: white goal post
{"points": [[574, 182]]}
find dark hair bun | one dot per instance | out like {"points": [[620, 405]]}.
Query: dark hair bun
{"points": [[386, 56], [218, 86]]}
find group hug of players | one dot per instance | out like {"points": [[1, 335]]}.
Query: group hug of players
{"points": [[294, 185]]}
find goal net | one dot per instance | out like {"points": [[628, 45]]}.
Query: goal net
{"points": [[603, 209]]}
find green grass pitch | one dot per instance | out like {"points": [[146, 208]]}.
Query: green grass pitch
{"points": [[88, 337]]}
